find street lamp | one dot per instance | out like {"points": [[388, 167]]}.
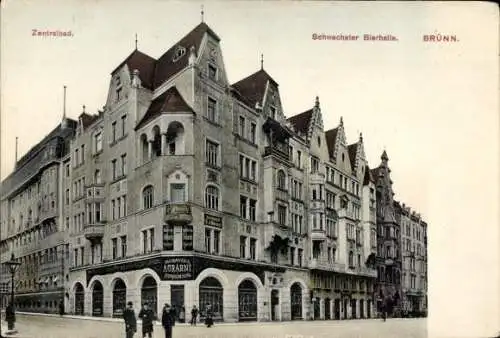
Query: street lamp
{"points": [[13, 266]]}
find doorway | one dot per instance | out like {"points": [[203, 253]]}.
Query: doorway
{"points": [[177, 300], [275, 303]]}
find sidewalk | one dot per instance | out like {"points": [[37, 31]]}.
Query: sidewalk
{"points": [[139, 322], [5, 333]]}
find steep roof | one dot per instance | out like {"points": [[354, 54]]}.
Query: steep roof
{"points": [[368, 176], [144, 63], [253, 87], [166, 67], [153, 73], [87, 119], [352, 149], [301, 121], [171, 101], [331, 138]]}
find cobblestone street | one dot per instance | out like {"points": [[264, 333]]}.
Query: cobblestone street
{"points": [[55, 327]]}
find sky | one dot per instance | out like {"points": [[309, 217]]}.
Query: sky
{"points": [[432, 106]]}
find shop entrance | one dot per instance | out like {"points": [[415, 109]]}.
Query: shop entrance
{"points": [[177, 300]]}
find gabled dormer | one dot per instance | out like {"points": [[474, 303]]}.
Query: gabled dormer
{"points": [[357, 157], [337, 148], [260, 92], [138, 69]]}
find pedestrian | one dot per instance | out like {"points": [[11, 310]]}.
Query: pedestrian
{"points": [[194, 314], [209, 322], [148, 316], [130, 321], [167, 321], [385, 308], [61, 308], [173, 314], [10, 316], [182, 315]]}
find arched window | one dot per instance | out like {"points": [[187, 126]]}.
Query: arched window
{"points": [[212, 197], [281, 178], [144, 148], [147, 197], [97, 176]]}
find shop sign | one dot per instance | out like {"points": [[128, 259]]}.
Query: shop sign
{"points": [[213, 221], [177, 269]]}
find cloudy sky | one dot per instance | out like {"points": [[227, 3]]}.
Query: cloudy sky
{"points": [[432, 106]]}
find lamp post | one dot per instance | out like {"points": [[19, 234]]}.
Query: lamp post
{"points": [[13, 265]]}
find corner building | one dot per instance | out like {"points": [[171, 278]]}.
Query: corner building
{"points": [[190, 191], [32, 226]]}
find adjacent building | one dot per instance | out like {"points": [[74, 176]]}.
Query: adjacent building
{"points": [[32, 226], [188, 190], [414, 261]]}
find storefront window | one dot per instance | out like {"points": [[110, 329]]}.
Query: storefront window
{"points": [[119, 298], [210, 293], [247, 300]]}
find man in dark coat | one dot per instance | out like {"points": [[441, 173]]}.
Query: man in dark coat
{"points": [[167, 321], [148, 316], [10, 316], [130, 320], [61, 308], [194, 315]]}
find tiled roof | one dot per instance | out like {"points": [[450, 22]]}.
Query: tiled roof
{"points": [[331, 137], [169, 102], [144, 63], [87, 119], [166, 67], [301, 121], [153, 73], [352, 149], [253, 87], [368, 176]]}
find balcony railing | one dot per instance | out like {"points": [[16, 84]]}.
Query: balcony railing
{"points": [[318, 234], [324, 264], [94, 232], [178, 213], [281, 194], [280, 150]]}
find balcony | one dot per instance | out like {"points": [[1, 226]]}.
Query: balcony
{"points": [[324, 264], [279, 150], [281, 194], [318, 234], [178, 213], [317, 204], [94, 232]]}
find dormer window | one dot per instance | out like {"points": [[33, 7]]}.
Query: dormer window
{"points": [[272, 112], [179, 52], [118, 86], [212, 72]]}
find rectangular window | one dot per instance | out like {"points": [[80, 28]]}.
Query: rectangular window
{"points": [[168, 237], [77, 158], [187, 238], [98, 142], [124, 125], [314, 165], [208, 240], [144, 241], [124, 205], [299, 257], [243, 207], [124, 165], [83, 153], [253, 129], [212, 72], [281, 214], [212, 110], [177, 192], [113, 216], [216, 242], [114, 169], [253, 248], [67, 170], [252, 210], [123, 240], [82, 252], [243, 246], [113, 132], [98, 212], [212, 153], [292, 256], [67, 196], [241, 126], [114, 248], [151, 239]]}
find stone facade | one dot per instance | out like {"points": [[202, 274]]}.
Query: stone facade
{"points": [[31, 225], [188, 190]]}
